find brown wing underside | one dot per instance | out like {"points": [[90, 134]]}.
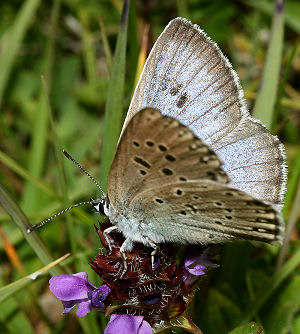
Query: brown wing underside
{"points": [[164, 176]]}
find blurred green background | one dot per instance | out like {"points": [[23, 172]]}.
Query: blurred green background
{"points": [[71, 43]]}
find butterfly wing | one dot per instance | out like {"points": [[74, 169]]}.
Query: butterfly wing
{"points": [[164, 177], [157, 150], [186, 76], [206, 212]]}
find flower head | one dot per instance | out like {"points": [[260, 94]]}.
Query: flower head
{"points": [[140, 298]]}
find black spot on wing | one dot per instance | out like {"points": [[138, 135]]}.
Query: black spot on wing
{"points": [[142, 162], [183, 98]]}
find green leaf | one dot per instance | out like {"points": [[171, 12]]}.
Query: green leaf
{"points": [[14, 321], [219, 312], [114, 104], [277, 316], [296, 325], [183, 321], [251, 328], [60, 168], [268, 290]]}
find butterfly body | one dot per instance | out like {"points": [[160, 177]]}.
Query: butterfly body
{"points": [[133, 229]]}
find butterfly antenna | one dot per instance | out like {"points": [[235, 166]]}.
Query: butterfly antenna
{"points": [[38, 225], [83, 170]]}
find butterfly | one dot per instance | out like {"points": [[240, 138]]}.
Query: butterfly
{"points": [[191, 165]]}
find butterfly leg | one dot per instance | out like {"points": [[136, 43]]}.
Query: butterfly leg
{"points": [[105, 234], [153, 253], [126, 245]]}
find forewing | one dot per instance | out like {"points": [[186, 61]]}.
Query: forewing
{"points": [[157, 150], [186, 76]]}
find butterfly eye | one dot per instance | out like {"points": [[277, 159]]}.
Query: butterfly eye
{"points": [[99, 205], [99, 208]]}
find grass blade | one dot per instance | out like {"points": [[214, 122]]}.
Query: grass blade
{"points": [[60, 167], [106, 47], [265, 102], [19, 170], [12, 288], [291, 224], [114, 104], [283, 83], [12, 40], [182, 8], [18, 216], [39, 130], [89, 56], [142, 54], [292, 185]]}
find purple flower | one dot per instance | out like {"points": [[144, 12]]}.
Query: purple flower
{"points": [[194, 266], [127, 324], [76, 289], [98, 296], [195, 263]]}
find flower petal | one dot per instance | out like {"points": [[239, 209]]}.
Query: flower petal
{"points": [[99, 295], [105, 290], [83, 275], [127, 324], [188, 261], [84, 308], [196, 254], [145, 328], [197, 270], [70, 287], [68, 306]]}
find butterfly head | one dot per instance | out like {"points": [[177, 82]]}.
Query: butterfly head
{"points": [[101, 205]]}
